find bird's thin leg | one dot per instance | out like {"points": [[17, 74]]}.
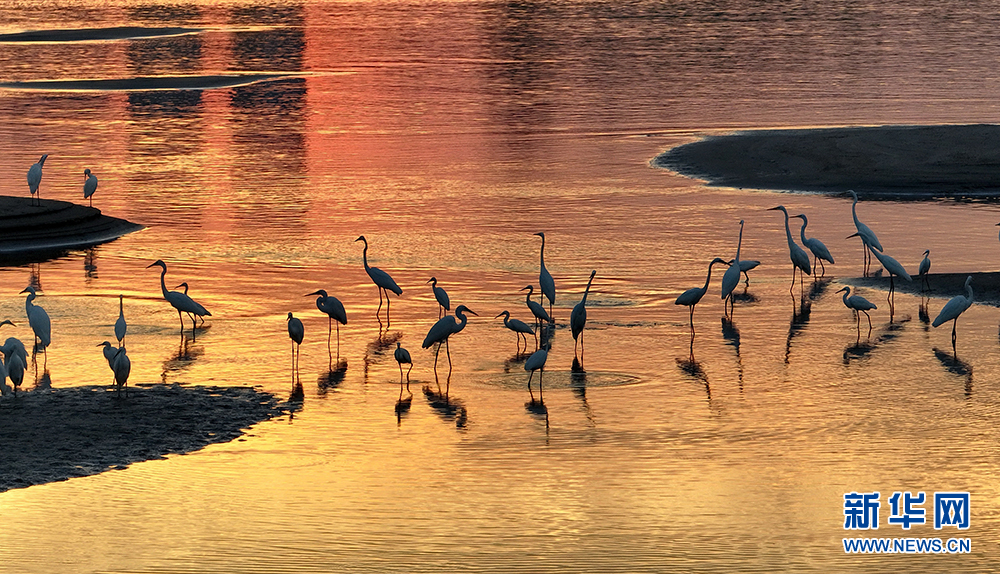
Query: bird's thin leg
{"points": [[822, 265], [338, 343], [869, 322], [401, 379], [447, 350], [329, 337], [388, 301], [540, 373], [792, 286], [691, 318], [408, 377], [581, 353], [531, 374], [379, 310], [436, 353], [953, 327]]}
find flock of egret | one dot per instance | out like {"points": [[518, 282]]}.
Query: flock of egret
{"points": [[35, 181]]}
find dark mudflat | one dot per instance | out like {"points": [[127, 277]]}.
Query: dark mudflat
{"points": [[53, 225]]}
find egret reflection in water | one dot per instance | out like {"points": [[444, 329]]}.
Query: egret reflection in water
{"points": [[447, 407], [956, 366], [800, 318]]}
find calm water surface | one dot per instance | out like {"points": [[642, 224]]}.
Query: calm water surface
{"points": [[448, 133]]}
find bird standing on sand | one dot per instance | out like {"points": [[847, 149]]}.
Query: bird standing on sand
{"points": [[955, 307], [860, 305], [867, 236], [520, 328], [35, 178], [545, 282], [444, 304], [444, 328], [178, 300], [15, 367], [38, 320], [731, 278], [120, 325], [692, 296], [381, 279], [578, 317], [924, 269], [122, 366], [819, 251], [109, 355], [89, 186]]}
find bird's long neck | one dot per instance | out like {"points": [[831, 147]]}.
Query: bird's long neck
{"points": [[587, 290], [739, 243], [28, 302], [788, 230], [854, 212], [846, 293], [364, 255], [541, 253], [163, 282], [506, 319], [527, 297], [802, 232], [121, 307], [968, 292], [463, 320], [708, 279]]}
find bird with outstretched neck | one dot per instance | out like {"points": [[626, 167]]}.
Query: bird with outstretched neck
{"points": [[382, 280]]}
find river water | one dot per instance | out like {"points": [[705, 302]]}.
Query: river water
{"points": [[448, 133]]}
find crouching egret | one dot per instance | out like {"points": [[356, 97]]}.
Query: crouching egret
{"points": [[403, 356]]}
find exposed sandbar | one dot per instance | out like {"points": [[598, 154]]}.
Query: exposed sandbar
{"points": [[985, 285], [51, 435], [53, 226], [920, 161], [145, 83], [96, 34]]}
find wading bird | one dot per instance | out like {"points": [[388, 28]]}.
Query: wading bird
{"points": [[122, 366], [15, 366], [200, 312], [955, 307], [746, 265], [381, 279], [444, 304], [731, 278], [924, 269], [536, 362], [894, 269], [334, 309], [89, 186], [545, 282], [578, 317], [520, 328], [536, 308], [120, 325], [860, 305], [295, 332], [692, 296], [444, 328], [819, 251], [403, 356], [109, 355], [38, 320], [800, 260], [178, 300], [867, 236], [35, 178], [14, 346]]}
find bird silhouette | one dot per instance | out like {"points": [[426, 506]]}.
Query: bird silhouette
{"points": [[545, 282], [178, 300], [381, 279], [800, 261], [89, 186], [121, 327], [520, 328], [955, 307], [731, 278], [578, 317], [444, 304], [692, 296], [296, 331], [859, 304], [443, 329], [35, 178], [334, 309], [924, 269], [867, 236], [819, 251], [38, 320]]}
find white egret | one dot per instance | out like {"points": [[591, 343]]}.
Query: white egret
{"points": [[120, 325], [924, 269], [444, 304], [955, 307], [35, 178], [5, 389], [15, 366], [536, 362], [746, 265], [545, 282], [859, 304], [14, 346], [520, 328], [444, 328], [578, 317], [865, 233], [296, 331], [536, 308], [200, 311], [894, 269], [798, 257], [692, 296], [178, 300], [38, 320], [122, 366], [403, 356], [89, 186], [334, 309], [731, 278], [381, 279], [819, 251], [109, 354]]}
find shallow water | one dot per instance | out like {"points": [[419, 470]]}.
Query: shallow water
{"points": [[448, 133]]}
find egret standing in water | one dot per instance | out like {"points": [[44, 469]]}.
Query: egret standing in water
{"points": [[120, 325], [924, 269], [520, 328], [178, 300], [403, 356], [89, 186], [731, 278], [35, 178], [747, 265], [536, 308], [692, 296], [296, 331], [867, 236], [444, 304], [955, 307], [819, 251], [578, 318], [381, 279], [334, 309], [38, 320], [444, 328], [545, 282], [895, 270], [860, 305], [200, 311], [800, 261], [536, 362]]}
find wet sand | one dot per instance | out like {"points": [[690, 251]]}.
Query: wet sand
{"points": [[51, 435], [985, 285], [147, 83], [53, 226], [96, 34], [897, 161]]}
